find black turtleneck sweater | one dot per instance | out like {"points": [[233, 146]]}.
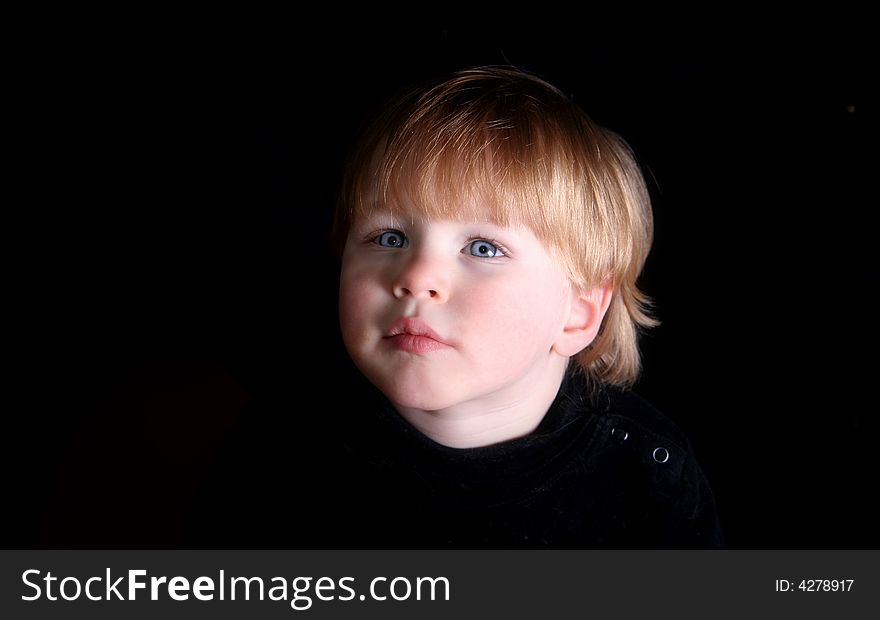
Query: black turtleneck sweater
{"points": [[604, 469]]}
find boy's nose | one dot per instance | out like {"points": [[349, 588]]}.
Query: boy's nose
{"points": [[423, 280]]}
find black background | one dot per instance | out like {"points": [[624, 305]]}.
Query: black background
{"points": [[168, 260]]}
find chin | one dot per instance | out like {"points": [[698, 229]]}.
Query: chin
{"points": [[416, 394]]}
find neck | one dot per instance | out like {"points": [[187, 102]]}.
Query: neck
{"points": [[512, 411]]}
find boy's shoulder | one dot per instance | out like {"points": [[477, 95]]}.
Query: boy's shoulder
{"points": [[631, 437], [623, 411], [640, 462], [631, 410]]}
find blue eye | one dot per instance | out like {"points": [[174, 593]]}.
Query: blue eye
{"points": [[483, 248], [391, 239]]}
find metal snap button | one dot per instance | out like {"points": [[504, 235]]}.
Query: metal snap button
{"points": [[661, 454], [620, 435]]}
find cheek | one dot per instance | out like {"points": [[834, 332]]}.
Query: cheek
{"points": [[356, 289], [347, 316], [513, 320]]}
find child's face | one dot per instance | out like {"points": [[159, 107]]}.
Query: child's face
{"points": [[494, 297]]}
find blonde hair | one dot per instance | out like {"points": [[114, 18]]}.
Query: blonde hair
{"points": [[503, 140]]}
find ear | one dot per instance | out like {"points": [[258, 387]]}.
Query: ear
{"points": [[588, 308]]}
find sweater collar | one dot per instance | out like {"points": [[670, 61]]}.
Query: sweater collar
{"points": [[497, 468]]}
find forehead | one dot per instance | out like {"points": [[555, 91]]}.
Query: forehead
{"points": [[410, 212]]}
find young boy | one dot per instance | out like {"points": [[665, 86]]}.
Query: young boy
{"points": [[491, 238]]}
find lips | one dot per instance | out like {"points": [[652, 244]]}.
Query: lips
{"points": [[415, 336]]}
